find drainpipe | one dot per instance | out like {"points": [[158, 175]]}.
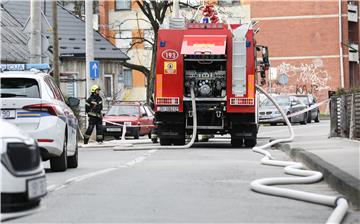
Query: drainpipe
{"points": [[340, 47]]}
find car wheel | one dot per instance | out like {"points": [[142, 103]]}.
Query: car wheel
{"points": [[304, 121], [309, 118], [59, 164], [317, 118], [288, 113], [250, 142], [72, 161]]}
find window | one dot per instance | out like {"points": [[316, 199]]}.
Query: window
{"points": [[229, 2], [123, 39], [55, 89], [108, 84], [121, 77], [19, 88], [128, 78], [142, 111], [281, 100], [122, 4], [68, 84], [149, 112], [123, 110]]}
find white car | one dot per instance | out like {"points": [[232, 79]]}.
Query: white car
{"points": [[32, 101], [23, 182]]}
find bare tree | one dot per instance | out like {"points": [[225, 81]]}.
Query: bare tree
{"points": [[155, 11]]}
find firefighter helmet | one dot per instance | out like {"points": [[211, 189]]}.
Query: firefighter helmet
{"points": [[94, 88]]}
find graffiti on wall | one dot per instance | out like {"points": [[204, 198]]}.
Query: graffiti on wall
{"points": [[309, 78]]}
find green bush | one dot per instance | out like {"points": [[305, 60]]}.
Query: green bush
{"points": [[343, 91]]}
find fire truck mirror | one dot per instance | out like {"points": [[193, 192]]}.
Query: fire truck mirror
{"points": [[265, 56]]}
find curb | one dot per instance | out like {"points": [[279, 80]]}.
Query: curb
{"points": [[339, 180]]}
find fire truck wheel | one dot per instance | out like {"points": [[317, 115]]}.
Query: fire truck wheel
{"points": [[237, 142], [250, 142], [179, 141], [165, 141]]}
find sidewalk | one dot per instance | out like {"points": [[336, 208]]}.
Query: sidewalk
{"points": [[337, 158]]}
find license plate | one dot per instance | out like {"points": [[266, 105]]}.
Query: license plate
{"points": [[113, 129], [265, 116], [36, 187], [127, 124], [8, 114]]}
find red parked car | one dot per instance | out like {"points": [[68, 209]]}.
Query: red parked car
{"points": [[138, 118]]}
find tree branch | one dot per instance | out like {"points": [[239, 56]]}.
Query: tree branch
{"points": [[139, 68]]}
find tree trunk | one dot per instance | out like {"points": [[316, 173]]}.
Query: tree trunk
{"points": [[151, 78]]}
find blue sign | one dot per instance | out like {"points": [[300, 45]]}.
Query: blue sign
{"points": [[94, 69], [23, 67]]}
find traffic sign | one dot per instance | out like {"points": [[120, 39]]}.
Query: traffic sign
{"points": [[94, 69]]}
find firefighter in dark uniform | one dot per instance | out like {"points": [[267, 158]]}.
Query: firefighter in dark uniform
{"points": [[93, 107]]}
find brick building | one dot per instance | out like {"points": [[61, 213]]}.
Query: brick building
{"points": [[307, 54], [305, 45]]}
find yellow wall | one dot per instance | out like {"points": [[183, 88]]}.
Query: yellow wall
{"points": [[138, 79]]}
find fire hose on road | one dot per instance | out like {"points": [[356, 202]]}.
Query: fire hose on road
{"points": [[264, 185]]}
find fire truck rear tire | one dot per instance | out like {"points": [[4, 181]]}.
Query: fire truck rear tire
{"points": [[237, 142], [250, 142], [179, 141], [165, 141]]}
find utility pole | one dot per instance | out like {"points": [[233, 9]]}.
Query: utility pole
{"points": [[35, 38], [55, 42], [89, 35]]}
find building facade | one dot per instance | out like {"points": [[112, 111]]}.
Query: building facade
{"points": [[71, 31], [313, 44]]}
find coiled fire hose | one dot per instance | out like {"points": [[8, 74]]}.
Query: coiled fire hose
{"points": [[264, 185], [188, 145]]}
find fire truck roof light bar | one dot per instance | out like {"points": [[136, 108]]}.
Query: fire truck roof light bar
{"points": [[23, 67]]}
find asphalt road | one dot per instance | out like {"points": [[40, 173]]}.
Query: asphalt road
{"points": [[207, 183]]}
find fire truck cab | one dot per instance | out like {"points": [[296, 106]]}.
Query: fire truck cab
{"points": [[219, 62]]}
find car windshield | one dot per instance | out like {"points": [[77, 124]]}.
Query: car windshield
{"points": [[19, 87], [281, 100], [303, 99], [123, 110]]}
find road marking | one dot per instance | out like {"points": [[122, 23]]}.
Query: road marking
{"points": [[53, 188]]}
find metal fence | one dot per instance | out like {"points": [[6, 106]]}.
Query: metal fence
{"points": [[345, 116]]}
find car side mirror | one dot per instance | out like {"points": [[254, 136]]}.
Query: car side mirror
{"points": [[73, 102]]}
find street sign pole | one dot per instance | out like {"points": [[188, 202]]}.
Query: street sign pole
{"points": [[89, 36]]}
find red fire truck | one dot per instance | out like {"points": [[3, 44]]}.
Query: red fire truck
{"points": [[219, 62]]}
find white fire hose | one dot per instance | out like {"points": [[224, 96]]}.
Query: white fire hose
{"points": [[188, 145], [264, 185]]}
